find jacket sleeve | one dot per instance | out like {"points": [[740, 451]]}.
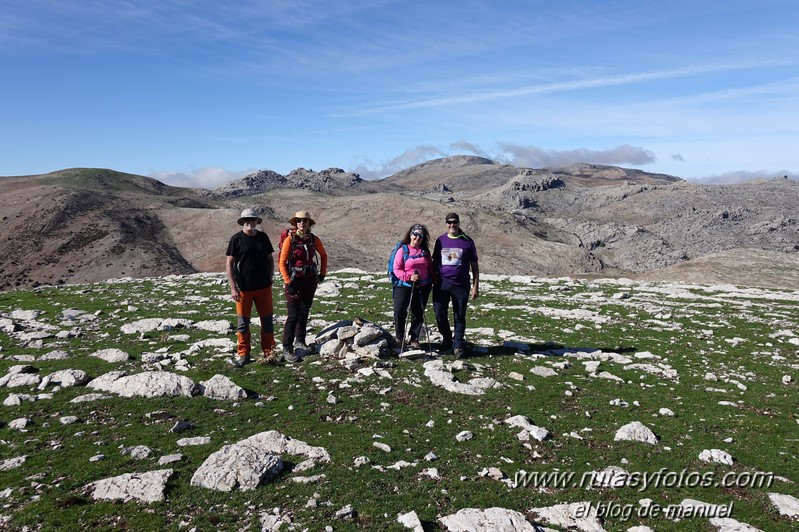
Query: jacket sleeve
{"points": [[285, 249], [399, 265], [322, 255]]}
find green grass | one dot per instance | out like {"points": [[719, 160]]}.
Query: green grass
{"points": [[695, 330]]}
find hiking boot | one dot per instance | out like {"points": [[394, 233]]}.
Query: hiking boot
{"points": [[301, 346], [458, 352], [240, 362], [269, 357], [415, 344], [290, 356], [445, 349]]}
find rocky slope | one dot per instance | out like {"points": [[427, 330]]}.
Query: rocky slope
{"points": [[90, 224]]}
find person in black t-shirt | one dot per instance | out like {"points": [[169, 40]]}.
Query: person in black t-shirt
{"points": [[250, 268]]}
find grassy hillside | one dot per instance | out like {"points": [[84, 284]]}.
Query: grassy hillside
{"points": [[716, 357]]}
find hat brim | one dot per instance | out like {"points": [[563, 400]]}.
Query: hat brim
{"points": [[293, 221], [241, 220]]}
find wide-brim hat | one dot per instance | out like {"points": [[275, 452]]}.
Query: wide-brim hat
{"points": [[299, 215], [249, 214]]}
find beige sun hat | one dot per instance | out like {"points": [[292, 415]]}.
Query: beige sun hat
{"points": [[299, 215], [248, 214]]}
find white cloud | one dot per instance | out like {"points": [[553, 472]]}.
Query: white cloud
{"points": [[742, 176], [368, 170], [209, 177], [509, 153], [536, 157]]}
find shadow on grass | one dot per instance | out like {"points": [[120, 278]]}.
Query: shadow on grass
{"points": [[545, 348]]}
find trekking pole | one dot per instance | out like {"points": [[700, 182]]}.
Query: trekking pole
{"points": [[424, 322], [407, 319]]}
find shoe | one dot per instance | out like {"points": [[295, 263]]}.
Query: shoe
{"points": [[301, 345], [240, 362], [415, 344], [458, 352], [290, 356], [445, 349], [269, 357]]}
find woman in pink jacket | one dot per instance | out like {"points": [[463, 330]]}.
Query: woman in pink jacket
{"points": [[413, 268]]}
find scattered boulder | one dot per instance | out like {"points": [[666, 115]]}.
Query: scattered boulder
{"points": [[579, 515], [434, 370], [471, 519], [12, 463], [142, 487], [237, 466], [145, 384], [636, 431], [66, 378], [221, 387], [111, 355], [786, 504], [716, 456], [528, 429]]}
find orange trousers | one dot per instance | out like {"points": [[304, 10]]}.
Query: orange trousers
{"points": [[262, 299]]}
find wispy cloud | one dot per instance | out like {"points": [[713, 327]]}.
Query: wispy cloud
{"points": [[562, 86]]}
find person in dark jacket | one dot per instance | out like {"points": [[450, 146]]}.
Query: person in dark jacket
{"points": [[250, 268]]}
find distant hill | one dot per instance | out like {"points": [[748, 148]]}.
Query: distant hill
{"points": [[94, 224]]}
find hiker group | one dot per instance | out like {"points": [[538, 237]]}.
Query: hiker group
{"points": [[414, 271]]}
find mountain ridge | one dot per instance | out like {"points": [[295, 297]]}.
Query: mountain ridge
{"points": [[93, 224]]}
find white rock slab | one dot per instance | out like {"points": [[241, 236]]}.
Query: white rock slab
{"points": [[477, 519], [112, 354], [716, 456], [728, 524], [410, 520], [155, 324], [237, 466], [12, 463], [636, 431], [434, 370], [215, 326], [142, 487], [66, 378], [579, 515], [786, 504], [145, 384], [221, 387], [534, 431]]}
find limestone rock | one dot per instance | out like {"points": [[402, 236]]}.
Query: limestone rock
{"points": [[145, 384], [522, 422], [237, 466], [142, 487], [574, 515], [111, 354], [716, 456], [473, 519], [636, 431], [786, 504], [221, 387]]}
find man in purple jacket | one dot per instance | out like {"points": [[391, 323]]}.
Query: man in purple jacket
{"points": [[454, 253]]}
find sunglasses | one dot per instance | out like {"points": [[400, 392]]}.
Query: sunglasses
{"points": [[303, 220], [417, 235], [453, 222]]}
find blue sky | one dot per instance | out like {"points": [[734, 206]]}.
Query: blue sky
{"points": [[198, 92]]}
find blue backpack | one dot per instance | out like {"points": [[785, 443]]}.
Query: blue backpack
{"points": [[406, 252]]}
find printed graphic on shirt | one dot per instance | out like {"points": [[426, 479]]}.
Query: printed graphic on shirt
{"points": [[451, 256]]}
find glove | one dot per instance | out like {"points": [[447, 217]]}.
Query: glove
{"points": [[291, 290], [320, 278]]}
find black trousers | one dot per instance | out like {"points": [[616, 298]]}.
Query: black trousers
{"points": [[417, 298], [298, 307]]}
